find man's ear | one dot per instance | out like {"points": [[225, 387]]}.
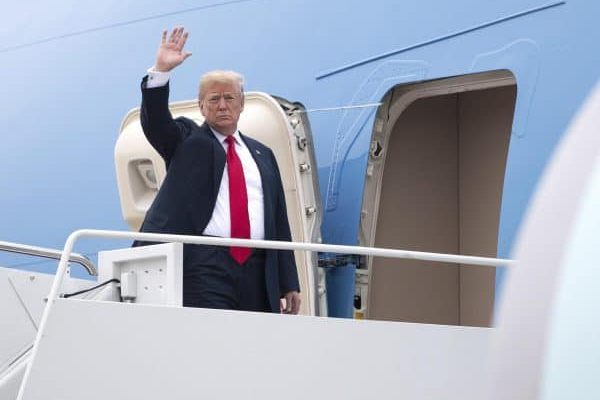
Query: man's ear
{"points": [[201, 107], [243, 101]]}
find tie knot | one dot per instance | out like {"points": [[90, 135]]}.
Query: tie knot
{"points": [[230, 140]]}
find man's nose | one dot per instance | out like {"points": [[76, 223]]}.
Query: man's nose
{"points": [[222, 103]]}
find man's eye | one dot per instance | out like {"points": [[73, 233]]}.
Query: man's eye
{"points": [[213, 99], [229, 97]]}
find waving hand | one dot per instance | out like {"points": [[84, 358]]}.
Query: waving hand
{"points": [[170, 52]]}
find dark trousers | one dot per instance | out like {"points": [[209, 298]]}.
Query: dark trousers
{"points": [[213, 279]]}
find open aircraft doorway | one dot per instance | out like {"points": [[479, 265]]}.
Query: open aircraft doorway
{"points": [[434, 183]]}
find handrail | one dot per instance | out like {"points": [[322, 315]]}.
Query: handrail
{"points": [[53, 254], [216, 241]]}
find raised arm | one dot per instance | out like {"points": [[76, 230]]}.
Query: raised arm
{"points": [[162, 131], [171, 51]]}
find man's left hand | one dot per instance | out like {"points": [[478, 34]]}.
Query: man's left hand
{"points": [[292, 303]]}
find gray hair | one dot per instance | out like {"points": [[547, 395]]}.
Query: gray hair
{"points": [[221, 77]]}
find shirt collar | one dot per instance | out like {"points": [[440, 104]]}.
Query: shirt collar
{"points": [[222, 137]]}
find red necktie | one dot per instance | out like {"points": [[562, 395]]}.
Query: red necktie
{"points": [[238, 202]]}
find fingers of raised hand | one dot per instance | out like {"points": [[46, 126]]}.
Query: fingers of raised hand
{"points": [[176, 39], [175, 33], [181, 41]]}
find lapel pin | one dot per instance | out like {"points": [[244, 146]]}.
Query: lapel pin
{"points": [[257, 151]]}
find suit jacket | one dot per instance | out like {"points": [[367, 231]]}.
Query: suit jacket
{"points": [[195, 162]]}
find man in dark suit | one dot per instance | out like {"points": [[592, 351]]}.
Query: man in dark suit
{"points": [[218, 183]]}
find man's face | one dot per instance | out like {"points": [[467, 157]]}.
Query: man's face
{"points": [[221, 104]]}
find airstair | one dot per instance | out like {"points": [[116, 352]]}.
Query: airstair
{"points": [[156, 349]]}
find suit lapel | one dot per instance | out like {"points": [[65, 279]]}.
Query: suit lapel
{"points": [[259, 158], [266, 176]]}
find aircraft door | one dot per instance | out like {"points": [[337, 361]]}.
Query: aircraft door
{"points": [[437, 171]]}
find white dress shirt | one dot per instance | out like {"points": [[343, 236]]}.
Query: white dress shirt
{"points": [[220, 221]]}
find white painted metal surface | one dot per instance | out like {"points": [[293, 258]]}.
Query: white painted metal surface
{"points": [[22, 302], [228, 242], [121, 351], [158, 270], [10, 380], [20, 314]]}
